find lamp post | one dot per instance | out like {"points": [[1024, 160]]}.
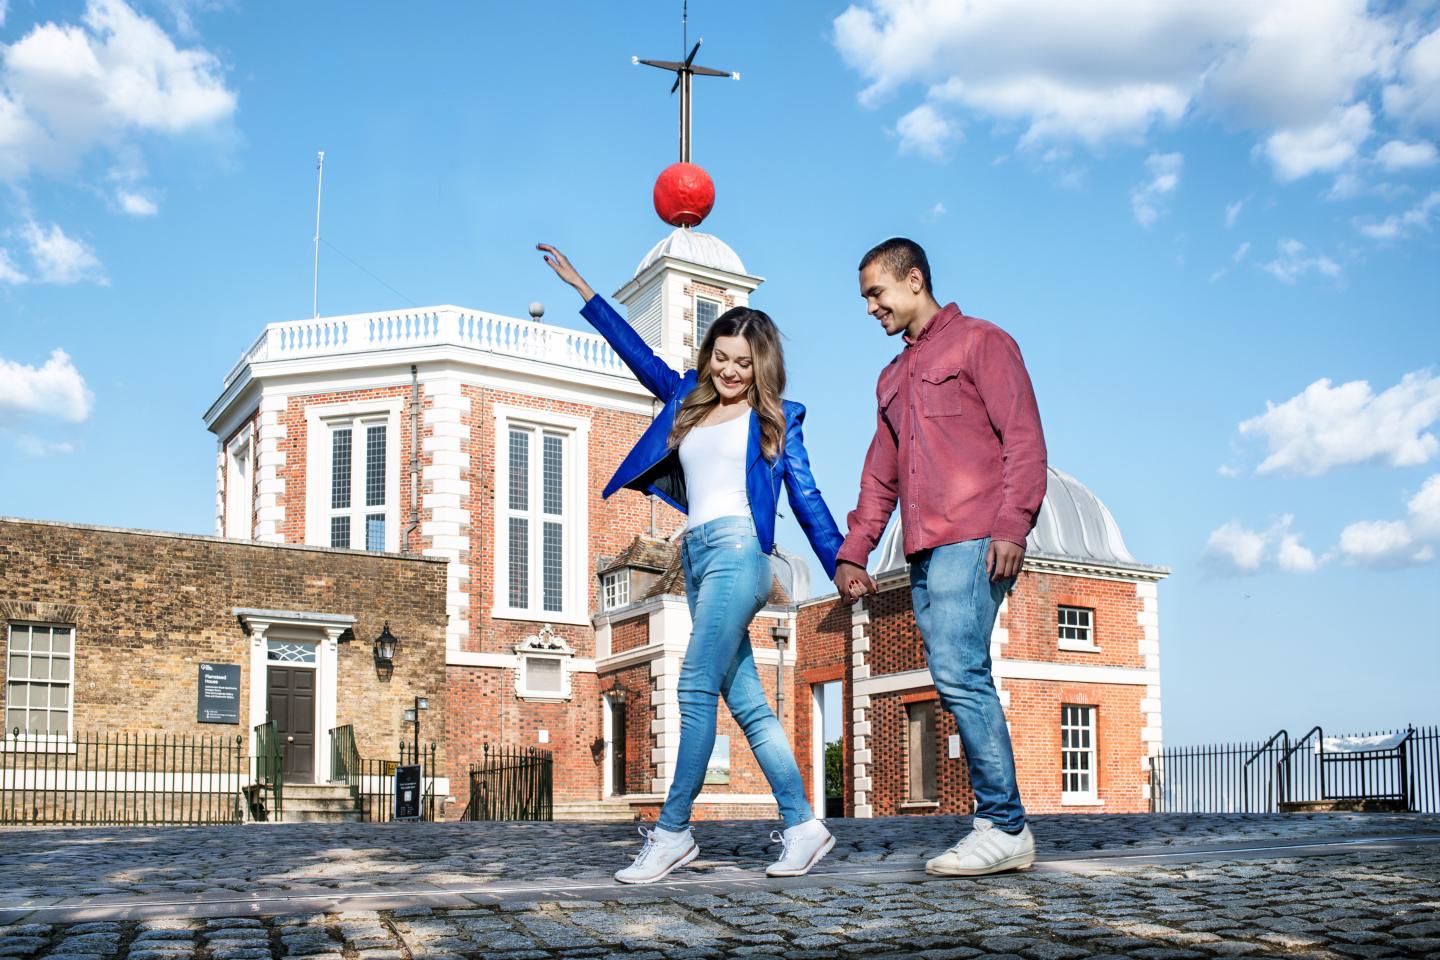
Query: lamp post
{"points": [[413, 715], [781, 635]]}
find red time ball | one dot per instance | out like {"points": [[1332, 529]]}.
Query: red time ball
{"points": [[684, 194]]}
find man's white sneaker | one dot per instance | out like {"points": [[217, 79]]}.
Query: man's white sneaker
{"points": [[987, 849], [663, 852], [804, 845]]}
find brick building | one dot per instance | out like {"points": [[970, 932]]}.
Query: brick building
{"points": [[1076, 661], [484, 441], [111, 631]]}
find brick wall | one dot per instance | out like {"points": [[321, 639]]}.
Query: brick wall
{"points": [[148, 608], [822, 655]]}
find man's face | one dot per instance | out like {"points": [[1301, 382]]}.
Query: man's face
{"points": [[892, 300]]}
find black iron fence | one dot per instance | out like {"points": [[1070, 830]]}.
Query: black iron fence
{"points": [[512, 783], [266, 794], [122, 778], [1266, 776], [372, 782]]}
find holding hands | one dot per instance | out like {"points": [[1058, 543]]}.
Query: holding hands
{"points": [[853, 582]]}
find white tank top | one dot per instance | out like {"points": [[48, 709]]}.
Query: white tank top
{"points": [[714, 462]]}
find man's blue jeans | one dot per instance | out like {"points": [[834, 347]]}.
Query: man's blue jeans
{"points": [[955, 605], [727, 581]]}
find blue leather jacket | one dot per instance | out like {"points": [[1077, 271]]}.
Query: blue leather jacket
{"points": [[652, 467]]}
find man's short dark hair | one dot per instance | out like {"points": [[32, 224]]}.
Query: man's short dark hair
{"points": [[900, 256]]}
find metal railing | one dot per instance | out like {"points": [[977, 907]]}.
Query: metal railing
{"points": [[1259, 777], [372, 782], [269, 775], [121, 778], [512, 783]]}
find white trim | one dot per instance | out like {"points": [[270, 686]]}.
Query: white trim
{"points": [[860, 725], [322, 629], [239, 521], [1017, 670], [576, 610], [317, 466], [1081, 800], [745, 798], [72, 684], [269, 461]]}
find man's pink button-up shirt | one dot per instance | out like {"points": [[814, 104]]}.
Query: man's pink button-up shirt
{"points": [[957, 442]]}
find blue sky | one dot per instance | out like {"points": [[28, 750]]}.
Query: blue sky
{"points": [[1211, 227]]}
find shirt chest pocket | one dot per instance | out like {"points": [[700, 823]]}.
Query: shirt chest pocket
{"points": [[940, 392], [888, 408]]}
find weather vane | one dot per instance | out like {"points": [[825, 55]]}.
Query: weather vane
{"points": [[684, 192]]}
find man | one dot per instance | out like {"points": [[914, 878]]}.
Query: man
{"points": [[958, 442]]}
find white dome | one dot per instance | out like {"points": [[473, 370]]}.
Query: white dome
{"points": [[703, 249], [1073, 525]]}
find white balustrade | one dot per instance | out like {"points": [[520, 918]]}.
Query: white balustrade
{"points": [[432, 326]]}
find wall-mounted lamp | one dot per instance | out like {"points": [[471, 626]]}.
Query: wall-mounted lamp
{"points": [[385, 645]]}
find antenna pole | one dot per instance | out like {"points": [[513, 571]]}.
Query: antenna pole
{"points": [[319, 182]]}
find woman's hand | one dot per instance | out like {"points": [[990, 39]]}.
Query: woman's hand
{"points": [[565, 271]]}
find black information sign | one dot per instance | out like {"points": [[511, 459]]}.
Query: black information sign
{"points": [[219, 693], [407, 792]]}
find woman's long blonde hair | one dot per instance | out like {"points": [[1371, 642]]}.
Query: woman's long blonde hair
{"points": [[767, 360]]}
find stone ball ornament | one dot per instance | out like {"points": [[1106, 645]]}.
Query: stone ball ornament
{"points": [[684, 194]]}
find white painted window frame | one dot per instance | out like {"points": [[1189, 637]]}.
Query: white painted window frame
{"points": [[612, 585], [320, 418], [1075, 645], [719, 309], [47, 739], [1090, 797], [576, 518], [240, 497]]}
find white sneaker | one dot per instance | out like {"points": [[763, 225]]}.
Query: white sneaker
{"points": [[986, 850], [804, 845], [663, 852]]}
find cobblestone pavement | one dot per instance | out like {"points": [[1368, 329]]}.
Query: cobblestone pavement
{"points": [[1163, 888]]}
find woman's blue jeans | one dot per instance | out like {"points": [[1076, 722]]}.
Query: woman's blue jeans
{"points": [[955, 604], [727, 581]]}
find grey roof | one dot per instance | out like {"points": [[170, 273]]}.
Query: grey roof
{"points": [[1073, 525], [704, 249]]}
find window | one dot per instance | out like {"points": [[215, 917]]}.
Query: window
{"points": [[239, 485], [705, 313], [615, 589], [1077, 753], [920, 751], [541, 528], [537, 519], [1077, 628], [543, 667], [358, 495], [39, 674]]}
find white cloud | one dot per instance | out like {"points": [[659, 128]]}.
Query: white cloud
{"points": [[136, 204], [1236, 549], [1397, 543], [1320, 147], [1377, 542], [54, 390], [1240, 252], [1401, 225], [59, 258], [1399, 155], [1294, 262], [925, 132], [1232, 212], [1294, 71], [936, 212], [4, 11], [35, 447], [1415, 95], [1326, 426], [1147, 199], [67, 89], [9, 272]]}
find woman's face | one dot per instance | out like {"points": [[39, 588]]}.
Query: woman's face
{"points": [[732, 369]]}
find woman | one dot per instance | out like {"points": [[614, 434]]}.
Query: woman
{"points": [[719, 451]]}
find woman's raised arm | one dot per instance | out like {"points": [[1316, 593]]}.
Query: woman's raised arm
{"points": [[653, 373]]}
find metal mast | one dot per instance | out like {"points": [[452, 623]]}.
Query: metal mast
{"points": [[685, 71]]}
